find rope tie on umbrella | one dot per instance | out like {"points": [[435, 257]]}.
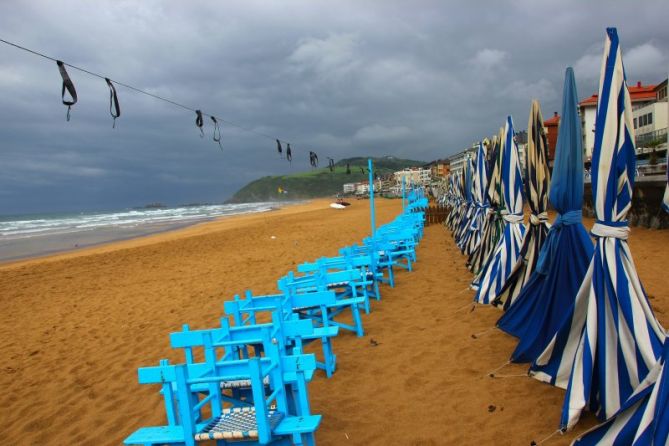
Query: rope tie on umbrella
{"points": [[538, 219], [611, 229], [511, 218], [548, 251]]}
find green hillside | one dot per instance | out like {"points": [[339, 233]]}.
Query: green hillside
{"points": [[317, 182]]}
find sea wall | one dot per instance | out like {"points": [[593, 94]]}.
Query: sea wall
{"points": [[646, 203]]}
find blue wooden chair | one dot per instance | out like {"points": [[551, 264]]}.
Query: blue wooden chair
{"points": [[366, 263], [196, 415], [351, 281], [284, 308]]}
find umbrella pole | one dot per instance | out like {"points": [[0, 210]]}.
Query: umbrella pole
{"points": [[371, 195]]}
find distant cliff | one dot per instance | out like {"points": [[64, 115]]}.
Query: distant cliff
{"points": [[317, 182]]}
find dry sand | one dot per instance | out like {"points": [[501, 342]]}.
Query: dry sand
{"points": [[75, 327]]}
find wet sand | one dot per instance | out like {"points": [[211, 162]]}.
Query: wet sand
{"points": [[75, 327]]}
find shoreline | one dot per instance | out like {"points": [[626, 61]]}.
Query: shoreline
{"points": [[143, 234]]}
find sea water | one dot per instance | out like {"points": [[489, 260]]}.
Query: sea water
{"points": [[35, 234]]}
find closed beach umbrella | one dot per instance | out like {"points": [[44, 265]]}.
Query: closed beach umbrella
{"points": [[644, 417], [468, 205], [492, 223], [480, 201], [507, 251], [613, 338], [546, 302], [537, 181]]}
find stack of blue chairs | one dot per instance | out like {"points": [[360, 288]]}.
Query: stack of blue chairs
{"points": [[246, 381]]}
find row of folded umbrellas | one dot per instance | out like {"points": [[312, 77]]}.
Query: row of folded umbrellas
{"points": [[580, 313]]}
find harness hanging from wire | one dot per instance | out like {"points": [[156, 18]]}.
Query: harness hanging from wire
{"points": [[279, 148], [68, 86], [331, 164], [199, 122], [217, 132], [313, 159], [289, 153], [114, 107]]}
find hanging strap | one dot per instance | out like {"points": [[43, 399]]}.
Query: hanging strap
{"points": [[217, 132], [67, 85], [278, 148], [114, 107], [289, 153], [199, 122]]}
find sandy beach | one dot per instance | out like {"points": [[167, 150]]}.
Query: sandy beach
{"points": [[76, 326]]}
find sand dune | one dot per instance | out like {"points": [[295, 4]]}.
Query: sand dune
{"points": [[75, 327]]}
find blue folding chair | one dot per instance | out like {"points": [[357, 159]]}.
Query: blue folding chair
{"points": [[284, 308], [198, 411]]}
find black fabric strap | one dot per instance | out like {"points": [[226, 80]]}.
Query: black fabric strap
{"points": [[114, 107], [67, 85], [289, 153], [278, 148], [199, 122], [217, 132]]}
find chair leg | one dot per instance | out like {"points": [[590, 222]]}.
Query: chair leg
{"points": [[328, 357], [357, 320]]}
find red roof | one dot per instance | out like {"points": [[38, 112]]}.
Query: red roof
{"points": [[552, 121], [638, 93]]}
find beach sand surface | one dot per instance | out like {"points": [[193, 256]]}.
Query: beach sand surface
{"points": [[76, 326]]}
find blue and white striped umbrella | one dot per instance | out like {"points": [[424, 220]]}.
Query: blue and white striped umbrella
{"points": [[537, 183], [492, 226], [506, 252], [644, 417], [461, 237], [613, 339], [546, 302], [479, 202]]}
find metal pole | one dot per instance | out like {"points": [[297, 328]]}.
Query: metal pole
{"points": [[404, 192], [371, 195]]}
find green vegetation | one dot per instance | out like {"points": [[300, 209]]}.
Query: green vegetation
{"points": [[317, 182]]}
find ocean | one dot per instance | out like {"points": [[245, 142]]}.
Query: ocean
{"points": [[31, 235]]}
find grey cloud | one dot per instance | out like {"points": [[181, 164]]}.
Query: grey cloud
{"points": [[420, 80]]}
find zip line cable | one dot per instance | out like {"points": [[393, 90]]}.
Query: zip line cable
{"points": [[144, 92]]}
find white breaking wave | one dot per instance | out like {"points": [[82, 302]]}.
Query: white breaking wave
{"points": [[25, 226]]}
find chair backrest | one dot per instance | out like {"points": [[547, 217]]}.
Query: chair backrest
{"points": [[181, 379], [291, 284]]}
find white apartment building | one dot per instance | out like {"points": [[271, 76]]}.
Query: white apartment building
{"points": [[641, 96], [415, 175]]}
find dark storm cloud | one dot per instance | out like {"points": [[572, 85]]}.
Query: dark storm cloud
{"points": [[412, 79]]}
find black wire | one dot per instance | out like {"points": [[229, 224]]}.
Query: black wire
{"points": [[138, 90]]}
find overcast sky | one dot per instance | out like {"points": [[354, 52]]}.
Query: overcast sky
{"points": [[419, 80]]}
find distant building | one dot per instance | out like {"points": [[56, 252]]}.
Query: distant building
{"points": [[457, 161], [640, 95], [552, 125], [650, 119], [349, 188], [440, 169], [415, 175], [362, 188]]}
